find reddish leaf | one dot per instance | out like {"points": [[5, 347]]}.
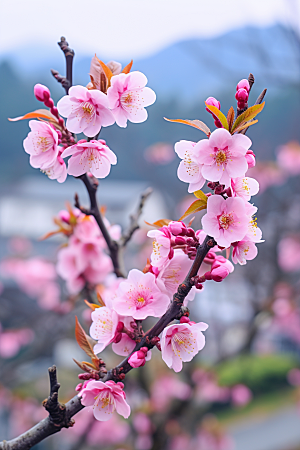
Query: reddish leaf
{"points": [[127, 68], [218, 114], [100, 300], [38, 114], [83, 340], [196, 206], [230, 117], [106, 70], [247, 115], [159, 223], [85, 365], [193, 123]]}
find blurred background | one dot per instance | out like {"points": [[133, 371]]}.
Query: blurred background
{"points": [[243, 390]]}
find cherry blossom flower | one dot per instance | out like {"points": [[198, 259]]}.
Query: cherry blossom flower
{"points": [[243, 251], [58, 171], [189, 169], [162, 250], [93, 156], [140, 297], [105, 399], [181, 342], [41, 144], [173, 273], [223, 156], [128, 96], [226, 220], [244, 187], [86, 110], [104, 326]]}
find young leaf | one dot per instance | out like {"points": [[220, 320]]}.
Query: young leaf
{"points": [[247, 115], [93, 306], [159, 223], [194, 207], [245, 125], [127, 68], [38, 114], [199, 194], [193, 123], [106, 70], [218, 114], [230, 117], [82, 339]]}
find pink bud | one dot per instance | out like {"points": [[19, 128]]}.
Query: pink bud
{"points": [[243, 84], [208, 276], [242, 95], [49, 103], [213, 102], [250, 157], [179, 240], [78, 387], [184, 319], [144, 349], [64, 216], [41, 92], [136, 360], [190, 232], [140, 354], [176, 227], [171, 253], [219, 272]]}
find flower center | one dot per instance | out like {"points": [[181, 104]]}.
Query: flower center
{"points": [[141, 300], [128, 98], [225, 220], [44, 143], [88, 111], [221, 157]]}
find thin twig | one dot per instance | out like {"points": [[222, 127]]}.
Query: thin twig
{"points": [[66, 81], [134, 219]]}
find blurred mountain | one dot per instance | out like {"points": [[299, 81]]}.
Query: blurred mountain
{"points": [[183, 76]]}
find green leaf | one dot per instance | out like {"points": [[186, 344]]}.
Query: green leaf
{"points": [[199, 194], [218, 114], [247, 115], [196, 206], [193, 123]]}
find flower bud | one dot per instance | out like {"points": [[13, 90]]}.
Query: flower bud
{"points": [[49, 103], [179, 240], [242, 95], [190, 232], [64, 216], [250, 157], [41, 92], [184, 319], [218, 273], [208, 276], [171, 253], [243, 84], [144, 350], [213, 102], [176, 227], [137, 359]]}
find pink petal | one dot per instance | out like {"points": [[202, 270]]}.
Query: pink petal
{"points": [[122, 406], [136, 80], [147, 96]]}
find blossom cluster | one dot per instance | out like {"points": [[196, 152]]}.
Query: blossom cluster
{"points": [[87, 110]]}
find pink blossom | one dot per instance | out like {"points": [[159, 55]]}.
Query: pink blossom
{"points": [[128, 96], [13, 340], [173, 273], [58, 171], [161, 246], [125, 346], [214, 102], [181, 342], [93, 156], [165, 388], [104, 326], [105, 399], [243, 84], [41, 144], [140, 297], [189, 169], [226, 220], [241, 395], [289, 253], [86, 110], [177, 228], [288, 158], [250, 157], [221, 268], [242, 96], [223, 156], [243, 251], [244, 187]]}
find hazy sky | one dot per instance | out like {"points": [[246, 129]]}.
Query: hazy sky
{"points": [[132, 28]]}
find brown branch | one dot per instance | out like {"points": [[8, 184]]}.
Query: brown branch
{"points": [[66, 81], [54, 423], [134, 219]]}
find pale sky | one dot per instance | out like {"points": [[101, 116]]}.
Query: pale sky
{"points": [[132, 28]]}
